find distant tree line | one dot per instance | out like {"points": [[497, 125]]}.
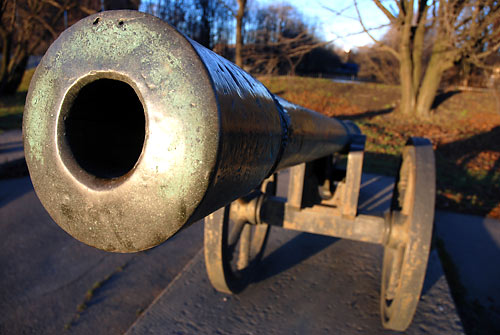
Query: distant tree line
{"points": [[28, 27], [205, 21], [277, 39]]}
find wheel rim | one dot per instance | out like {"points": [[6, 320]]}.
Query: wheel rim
{"points": [[407, 251], [233, 248]]}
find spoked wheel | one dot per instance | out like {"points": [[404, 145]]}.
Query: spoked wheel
{"points": [[407, 250], [232, 245]]}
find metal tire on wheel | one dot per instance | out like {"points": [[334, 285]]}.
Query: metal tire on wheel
{"points": [[224, 239], [407, 250]]}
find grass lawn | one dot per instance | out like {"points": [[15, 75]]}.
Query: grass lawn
{"points": [[11, 108], [464, 129]]}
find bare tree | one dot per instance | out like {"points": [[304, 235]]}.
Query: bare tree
{"points": [[239, 36], [454, 30], [212, 23], [377, 65], [205, 21], [239, 15], [266, 58], [174, 12], [29, 26], [279, 41]]}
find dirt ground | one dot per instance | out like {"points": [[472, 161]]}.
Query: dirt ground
{"points": [[464, 127]]}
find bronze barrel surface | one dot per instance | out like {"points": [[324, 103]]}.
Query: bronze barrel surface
{"points": [[133, 131]]}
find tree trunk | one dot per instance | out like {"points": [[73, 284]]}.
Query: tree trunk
{"points": [[205, 25], [239, 35], [6, 53], [408, 95], [292, 67], [10, 80], [418, 44], [441, 60], [428, 91], [12, 66]]}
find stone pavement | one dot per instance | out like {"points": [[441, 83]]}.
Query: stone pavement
{"points": [[12, 164], [52, 283], [11, 146], [307, 284], [471, 249]]}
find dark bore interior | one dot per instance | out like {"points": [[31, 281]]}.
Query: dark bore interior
{"points": [[105, 128]]}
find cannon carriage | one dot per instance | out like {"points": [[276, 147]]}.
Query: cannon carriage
{"points": [[133, 131]]}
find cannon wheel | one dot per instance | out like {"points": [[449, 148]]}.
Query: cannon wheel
{"points": [[224, 239], [407, 250]]}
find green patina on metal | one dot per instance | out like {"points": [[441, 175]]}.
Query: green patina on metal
{"points": [[40, 106], [108, 40], [211, 131]]}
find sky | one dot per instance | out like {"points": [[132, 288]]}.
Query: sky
{"points": [[344, 28]]}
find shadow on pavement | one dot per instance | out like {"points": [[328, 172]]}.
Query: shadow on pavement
{"points": [[293, 252], [14, 169], [11, 147], [11, 189], [469, 248], [433, 273]]}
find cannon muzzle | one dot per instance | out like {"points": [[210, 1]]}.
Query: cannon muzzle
{"points": [[133, 131]]}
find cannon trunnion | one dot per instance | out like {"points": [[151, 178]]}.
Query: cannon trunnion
{"points": [[133, 131]]}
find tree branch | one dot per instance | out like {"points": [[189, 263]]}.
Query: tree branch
{"points": [[341, 12], [387, 13], [225, 5], [377, 43]]}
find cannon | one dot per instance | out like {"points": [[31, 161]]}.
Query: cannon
{"points": [[133, 131]]}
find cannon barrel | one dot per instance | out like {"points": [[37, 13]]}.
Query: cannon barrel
{"points": [[133, 131]]}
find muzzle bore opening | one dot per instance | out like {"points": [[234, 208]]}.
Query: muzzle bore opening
{"points": [[104, 128]]}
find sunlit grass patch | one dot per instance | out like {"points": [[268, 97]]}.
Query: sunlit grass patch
{"points": [[464, 129]]}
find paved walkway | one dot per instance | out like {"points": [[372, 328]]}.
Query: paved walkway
{"points": [[51, 282], [11, 146], [307, 284], [12, 164], [471, 252]]}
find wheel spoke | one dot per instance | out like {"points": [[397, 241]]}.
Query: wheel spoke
{"points": [[244, 252], [234, 235], [394, 259]]}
